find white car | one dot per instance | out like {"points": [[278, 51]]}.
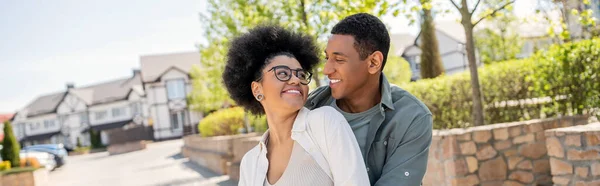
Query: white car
{"points": [[46, 159]]}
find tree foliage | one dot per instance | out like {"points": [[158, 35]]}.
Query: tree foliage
{"points": [[10, 146], [500, 40], [431, 61]]}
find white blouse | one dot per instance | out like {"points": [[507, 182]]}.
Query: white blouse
{"points": [[327, 137]]}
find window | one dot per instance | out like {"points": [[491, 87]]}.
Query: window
{"points": [[118, 112], [177, 119], [34, 126], [100, 115], [48, 123], [175, 89], [83, 117], [136, 108]]}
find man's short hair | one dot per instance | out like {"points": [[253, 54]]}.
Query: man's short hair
{"points": [[370, 34]]}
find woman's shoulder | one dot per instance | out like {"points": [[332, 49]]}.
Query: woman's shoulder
{"points": [[325, 112], [325, 116]]}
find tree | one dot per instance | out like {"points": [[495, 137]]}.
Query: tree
{"points": [[229, 18], [499, 41], [10, 147], [431, 62], [469, 20]]}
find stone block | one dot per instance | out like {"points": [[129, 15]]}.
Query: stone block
{"points": [[592, 154], [521, 176], [472, 164], [541, 166], [513, 161], [506, 144], [533, 150], [573, 140], [555, 149], [560, 167], [466, 181], [592, 138], [493, 170], [582, 172], [524, 139], [561, 180], [515, 131], [468, 148], [501, 134], [525, 165], [482, 136], [486, 152]]}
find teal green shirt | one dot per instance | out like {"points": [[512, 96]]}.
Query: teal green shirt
{"points": [[359, 122], [398, 138]]}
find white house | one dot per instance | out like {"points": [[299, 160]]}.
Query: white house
{"points": [[167, 83], [452, 45], [67, 116]]}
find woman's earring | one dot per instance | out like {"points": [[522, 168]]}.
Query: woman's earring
{"points": [[260, 97]]}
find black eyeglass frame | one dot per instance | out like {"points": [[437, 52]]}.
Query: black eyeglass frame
{"points": [[291, 72]]}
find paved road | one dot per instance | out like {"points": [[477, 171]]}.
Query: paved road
{"points": [[159, 164]]}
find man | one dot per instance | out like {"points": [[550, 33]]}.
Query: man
{"points": [[393, 128]]}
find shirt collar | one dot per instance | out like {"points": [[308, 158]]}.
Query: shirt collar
{"points": [[386, 93], [298, 126]]}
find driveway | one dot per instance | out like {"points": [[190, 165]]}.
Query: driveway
{"points": [[159, 164]]}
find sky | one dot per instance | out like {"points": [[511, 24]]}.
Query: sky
{"points": [[46, 44]]}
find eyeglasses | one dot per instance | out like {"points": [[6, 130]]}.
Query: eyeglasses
{"points": [[284, 73]]}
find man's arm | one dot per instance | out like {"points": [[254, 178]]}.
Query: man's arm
{"points": [[408, 162]]}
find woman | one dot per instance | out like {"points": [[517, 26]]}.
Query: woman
{"points": [[267, 72]]}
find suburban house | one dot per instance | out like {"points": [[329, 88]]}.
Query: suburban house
{"points": [[167, 83], [67, 117], [452, 45]]}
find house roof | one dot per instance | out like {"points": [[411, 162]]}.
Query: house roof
{"points": [[453, 29], [92, 95], [45, 104], [5, 117], [154, 66], [400, 41], [108, 91]]}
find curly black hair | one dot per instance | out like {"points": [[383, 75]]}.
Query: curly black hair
{"points": [[370, 34], [249, 54]]}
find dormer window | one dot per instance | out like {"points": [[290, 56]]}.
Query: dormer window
{"points": [[175, 89]]}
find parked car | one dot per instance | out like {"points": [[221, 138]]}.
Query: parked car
{"points": [[58, 150], [45, 159]]}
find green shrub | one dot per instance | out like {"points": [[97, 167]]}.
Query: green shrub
{"points": [[10, 147], [561, 81], [570, 74], [228, 122], [5, 165]]}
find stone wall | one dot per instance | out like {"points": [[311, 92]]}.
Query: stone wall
{"points": [[239, 150], [215, 153], [32, 178], [575, 155], [126, 147], [499, 154]]}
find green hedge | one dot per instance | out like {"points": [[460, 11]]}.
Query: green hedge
{"points": [[228, 122], [563, 80]]}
